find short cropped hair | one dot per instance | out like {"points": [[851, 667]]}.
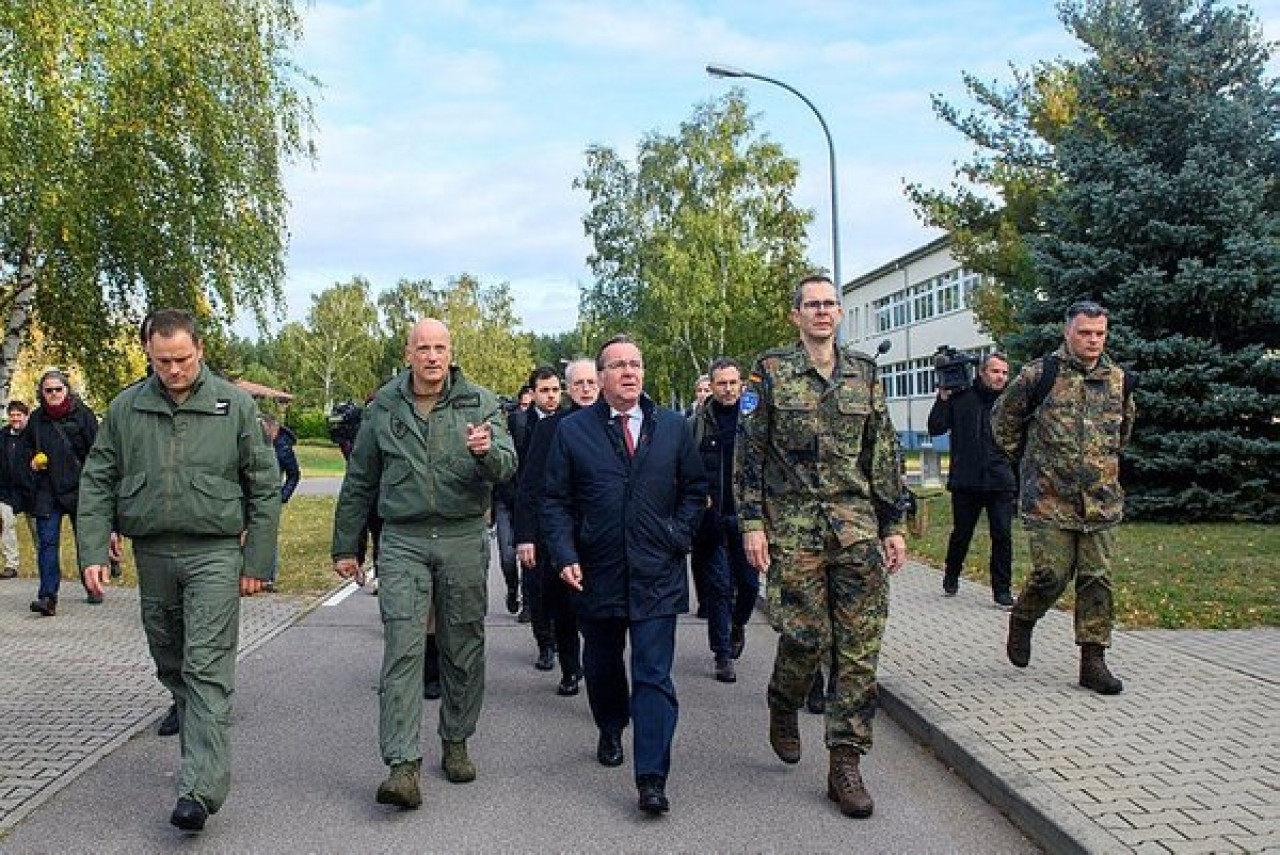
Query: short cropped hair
{"points": [[797, 294], [167, 323], [721, 364], [620, 338], [996, 356], [542, 372], [16, 406], [1088, 308]]}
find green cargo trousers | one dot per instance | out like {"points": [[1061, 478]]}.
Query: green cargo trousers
{"points": [[425, 566], [1058, 556], [190, 593]]}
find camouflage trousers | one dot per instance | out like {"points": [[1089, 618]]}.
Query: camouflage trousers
{"points": [[1057, 555], [830, 608]]}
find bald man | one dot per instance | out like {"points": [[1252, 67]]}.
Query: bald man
{"points": [[431, 446]]}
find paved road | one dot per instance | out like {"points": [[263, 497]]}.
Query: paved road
{"points": [[306, 766]]}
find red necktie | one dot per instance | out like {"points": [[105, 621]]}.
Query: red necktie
{"points": [[625, 421]]}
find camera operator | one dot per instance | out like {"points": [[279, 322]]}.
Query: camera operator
{"points": [[980, 476]]}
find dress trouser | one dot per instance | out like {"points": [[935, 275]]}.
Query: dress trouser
{"points": [[830, 606], [966, 507], [559, 611], [422, 565], [9, 536], [190, 593], [651, 703]]}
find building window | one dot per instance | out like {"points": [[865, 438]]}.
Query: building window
{"points": [[921, 297], [948, 294], [926, 378]]}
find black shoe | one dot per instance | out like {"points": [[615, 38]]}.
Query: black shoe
{"points": [[816, 702], [431, 690], [524, 616], [546, 659], [189, 815], [724, 670], [1004, 600], [36, 606], [950, 583], [171, 723], [9, 573], [653, 798], [609, 749], [93, 599], [513, 600], [737, 640], [568, 685], [45, 606]]}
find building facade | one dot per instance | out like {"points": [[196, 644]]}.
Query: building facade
{"points": [[917, 303]]}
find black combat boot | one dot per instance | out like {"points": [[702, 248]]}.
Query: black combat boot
{"points": [[1018, 646], [1094, 673]]}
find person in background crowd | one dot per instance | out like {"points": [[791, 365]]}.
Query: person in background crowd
{"points": [[980, 477], [15, 485], [545, 383], [59, 434], [282, 441], [732, 584], [531, 546]]}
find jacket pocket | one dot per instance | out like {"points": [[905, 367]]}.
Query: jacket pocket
{"points": [[217, 504], [132, 506]]}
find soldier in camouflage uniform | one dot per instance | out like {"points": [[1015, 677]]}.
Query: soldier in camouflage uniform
{"points": [[1070, 443], [817, 475]]}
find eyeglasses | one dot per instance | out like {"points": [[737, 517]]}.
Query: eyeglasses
{"points": [[815, 306], [619, 364], [54, 390]]}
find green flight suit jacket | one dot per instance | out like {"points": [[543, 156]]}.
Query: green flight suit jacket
{"points": [[201, 468], [414, 468]]}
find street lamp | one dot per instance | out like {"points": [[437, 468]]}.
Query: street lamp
{"points": [[716, 70]]}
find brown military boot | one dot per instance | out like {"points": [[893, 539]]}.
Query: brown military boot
{"points": [[1094, 673], [457, 766], [844, 783], [401, 787], [784, 735], [1018, 647]]}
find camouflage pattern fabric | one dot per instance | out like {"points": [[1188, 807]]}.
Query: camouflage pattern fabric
{"points": [[816, 467], [1057, 555], [1069, 470], [816, 457], [801, 585]]}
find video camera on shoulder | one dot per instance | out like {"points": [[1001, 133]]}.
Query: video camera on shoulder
{"points": [[953, 368], [344, 422]]}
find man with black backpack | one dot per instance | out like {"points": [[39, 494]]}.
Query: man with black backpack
{"points": [[1065, 419]]}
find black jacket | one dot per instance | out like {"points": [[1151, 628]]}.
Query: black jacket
{"points": [[15, 470], [628, 522], [977, 463], [66, 442], [527, 522], [287, 460]]}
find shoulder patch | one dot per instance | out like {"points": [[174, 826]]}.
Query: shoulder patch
{"points": [[222, 406], [749, 401]]}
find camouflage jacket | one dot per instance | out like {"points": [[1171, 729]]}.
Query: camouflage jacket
{"points": [[1069, 472], [816, 457]]}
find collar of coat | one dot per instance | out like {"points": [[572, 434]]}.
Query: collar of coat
{"points": [[1100, 370], [152, 396], [604, 410]]}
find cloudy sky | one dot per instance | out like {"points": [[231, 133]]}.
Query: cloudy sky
{"points": [[450, 131]]}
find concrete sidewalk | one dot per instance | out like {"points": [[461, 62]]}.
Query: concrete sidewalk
{"points": [[1187, 759], [75, 687]]}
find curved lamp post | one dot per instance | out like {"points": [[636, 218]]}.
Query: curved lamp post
{"points": [[716, 70]]}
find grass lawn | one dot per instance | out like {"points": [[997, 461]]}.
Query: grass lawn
{"points": [[1205, 576], [319, 459]]}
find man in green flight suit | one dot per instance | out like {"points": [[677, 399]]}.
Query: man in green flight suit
{"points": [[180, 466], [818, 482], [430, 449]]}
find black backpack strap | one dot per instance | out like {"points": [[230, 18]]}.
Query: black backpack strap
{"points": [[1048, 375]]}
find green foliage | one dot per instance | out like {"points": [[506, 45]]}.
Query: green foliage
{"points": [[697, 247], [1159, 197], [333, 356], [308, 422], [140, 166]]}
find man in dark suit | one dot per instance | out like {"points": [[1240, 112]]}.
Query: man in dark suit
{"points": [[531, 547], [624, 491]]}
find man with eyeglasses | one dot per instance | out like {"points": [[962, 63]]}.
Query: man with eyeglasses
{"points": [[59, 434], [818, 480], [1065, 419], [623, 495]]}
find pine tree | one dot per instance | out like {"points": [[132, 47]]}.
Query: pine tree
{"points": [[1164, 205]]}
